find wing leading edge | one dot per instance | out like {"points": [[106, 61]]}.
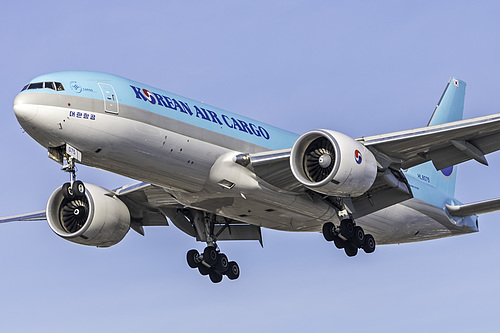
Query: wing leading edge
{"points": [[445, 145], [35, 216]]}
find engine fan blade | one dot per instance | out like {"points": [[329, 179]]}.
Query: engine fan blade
{"points": [[73, 214], [313, 165]]}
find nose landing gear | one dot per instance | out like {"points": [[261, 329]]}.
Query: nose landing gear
{"points": [[75, 188]]}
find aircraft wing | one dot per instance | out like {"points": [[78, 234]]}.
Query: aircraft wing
{"points": [[150, 205], [145, 202], [445, 145], [35, 216]]}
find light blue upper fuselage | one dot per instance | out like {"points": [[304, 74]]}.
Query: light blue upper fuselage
{"points": [[141, 96], [135, 94]]}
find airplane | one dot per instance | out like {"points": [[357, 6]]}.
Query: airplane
{"points": [[219, 176]]}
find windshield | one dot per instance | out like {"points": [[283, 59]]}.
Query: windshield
{"points": [[44, 85]]}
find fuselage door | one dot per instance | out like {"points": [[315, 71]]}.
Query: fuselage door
{"points": [[110, 98]]}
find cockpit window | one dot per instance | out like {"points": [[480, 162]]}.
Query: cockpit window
{"points": [[37, 85], [47, 85]]}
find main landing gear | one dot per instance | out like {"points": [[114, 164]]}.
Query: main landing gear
{"points": [[211, 262], [349, 237]]}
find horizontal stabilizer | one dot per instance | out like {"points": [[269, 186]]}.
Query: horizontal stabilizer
{"points": [[35, 216], [475, 208]]}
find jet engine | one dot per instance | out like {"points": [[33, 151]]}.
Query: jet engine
{"points": [[332, 163], [98, 218]]}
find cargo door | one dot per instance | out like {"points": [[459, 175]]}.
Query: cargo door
{"points": [[110, 98]]}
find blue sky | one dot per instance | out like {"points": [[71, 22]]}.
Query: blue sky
{"points": [[360, 67]]}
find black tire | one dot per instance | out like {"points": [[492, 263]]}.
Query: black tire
{"points": [[339, 242], [369, 245], [358, 237], [67, 191], [215, 276], [78, 189], [234, 270], [328, 231], [347, 228], [222, 264], [204, 270], [350, 249], [193, 258], [210, 255]]}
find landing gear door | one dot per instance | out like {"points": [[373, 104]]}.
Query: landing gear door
{"points": [[110, 98]]}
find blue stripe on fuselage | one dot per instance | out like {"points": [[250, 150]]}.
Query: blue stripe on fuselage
{"points": [[135, 94]]}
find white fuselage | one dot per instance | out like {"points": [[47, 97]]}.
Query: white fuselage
{"points": [[191, 162]]}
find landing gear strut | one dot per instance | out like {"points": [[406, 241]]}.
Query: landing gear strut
{"points": [[349, 237], [212, 262], [75, 188]]}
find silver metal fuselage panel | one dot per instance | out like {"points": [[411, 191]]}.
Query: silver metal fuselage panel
{"points": [[182, 157]]}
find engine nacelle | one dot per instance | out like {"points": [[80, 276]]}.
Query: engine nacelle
{"points": [[332, 163], [98, 219]]}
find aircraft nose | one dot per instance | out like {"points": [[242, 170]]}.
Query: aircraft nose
{"points": [[24, 111]]}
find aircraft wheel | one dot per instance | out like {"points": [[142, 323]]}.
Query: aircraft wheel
{"points": [[328, 231], [215, 276], [210, 255], [78, 189], [193, 258], [339, 242], [369, 245], [358, 237], [204, 270], [234, 271], [347, 228], [222, 264], [67, 191], [350, 249]]}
